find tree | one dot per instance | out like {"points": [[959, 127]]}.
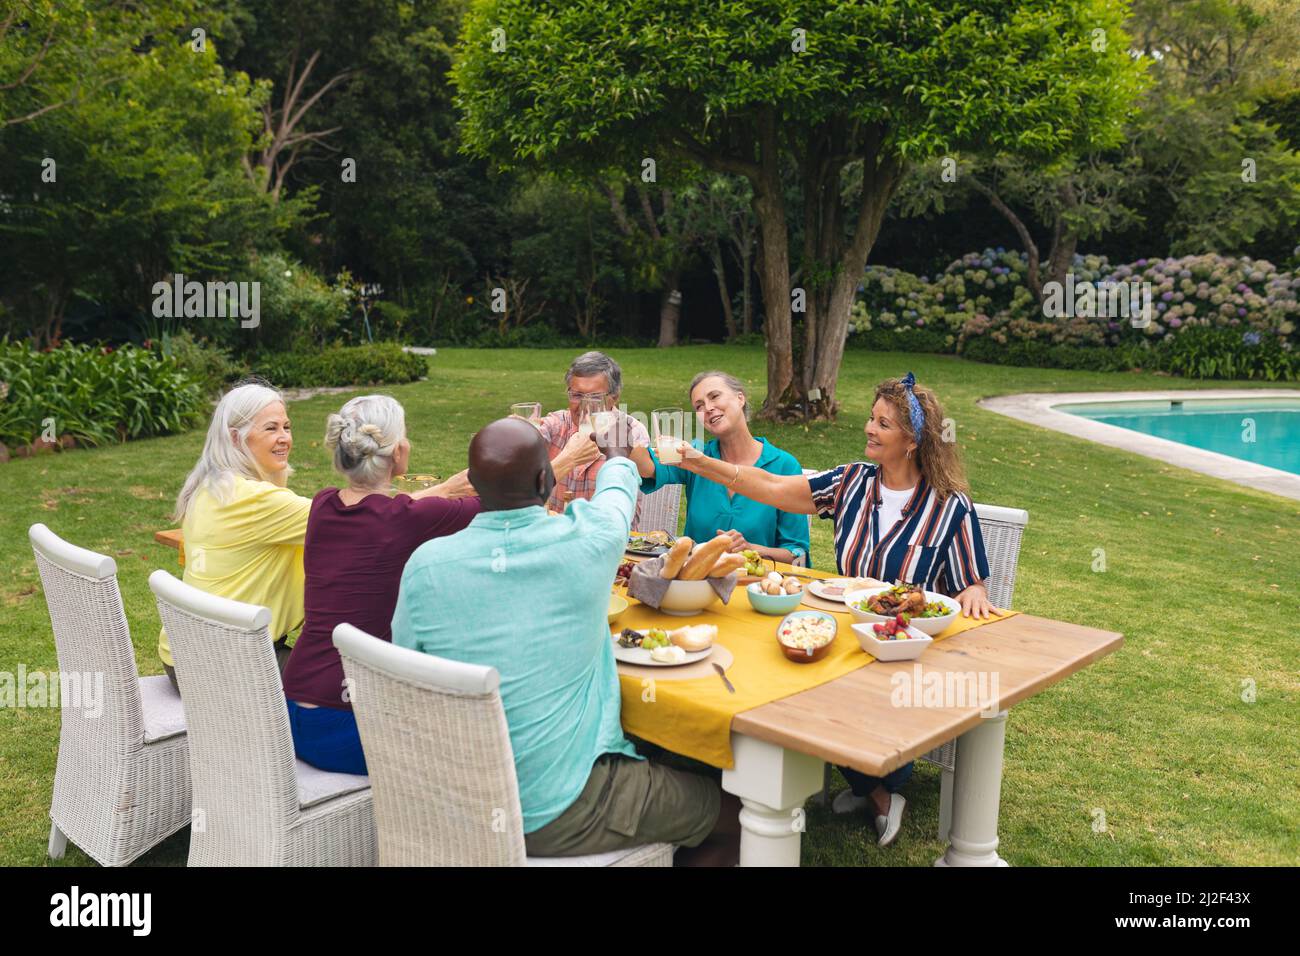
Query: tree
{"points": [[748, 86], [56, 53], [721, 219], [564, 235], [129, 183], [658, 243]]}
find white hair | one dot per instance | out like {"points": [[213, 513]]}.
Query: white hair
{"points": [[223, 458], [363, 435]]}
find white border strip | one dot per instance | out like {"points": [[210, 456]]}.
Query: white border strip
{"points": [[1036, 408]]}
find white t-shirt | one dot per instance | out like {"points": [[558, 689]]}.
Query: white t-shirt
{"points": [[891, 506]]}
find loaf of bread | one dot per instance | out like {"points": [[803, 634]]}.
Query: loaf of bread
{"points": [[699, 564], [676, 557], [726, 564], [694, 637]]}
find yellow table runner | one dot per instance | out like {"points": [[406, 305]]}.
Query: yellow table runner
{"points": [[693, 717]]}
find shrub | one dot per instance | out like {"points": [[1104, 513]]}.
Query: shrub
{"points": [[94, 393], [209, 364], [1203, 352], [298, 309], [378, 364], [981, 304]]}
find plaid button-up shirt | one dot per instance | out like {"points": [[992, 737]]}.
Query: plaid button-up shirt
{"points": [[557, 429]]}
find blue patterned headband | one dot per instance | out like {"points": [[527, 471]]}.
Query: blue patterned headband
{"points": [[914, 407]]}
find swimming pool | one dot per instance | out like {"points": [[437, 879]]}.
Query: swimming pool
{"points": [[1265, 431]]}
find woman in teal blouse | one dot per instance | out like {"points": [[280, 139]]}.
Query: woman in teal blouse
{"points": [[720, 405]]}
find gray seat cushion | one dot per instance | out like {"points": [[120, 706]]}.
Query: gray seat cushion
{"points": [[164, 716], [315, 785]]}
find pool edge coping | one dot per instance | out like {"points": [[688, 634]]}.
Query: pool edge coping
{"points": [[1036, 409]]}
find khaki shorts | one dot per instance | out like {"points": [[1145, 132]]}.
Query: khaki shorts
{"points": [[628, 803]]}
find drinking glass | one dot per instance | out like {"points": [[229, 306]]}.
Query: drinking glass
{"points": [[415, 482], [591, 411], [668, 426], [530, 412]]}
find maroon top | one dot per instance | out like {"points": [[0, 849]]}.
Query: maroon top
{"points": [[353, 558]]}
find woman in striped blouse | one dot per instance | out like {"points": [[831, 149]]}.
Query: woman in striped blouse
{"points": [[908, 517]]}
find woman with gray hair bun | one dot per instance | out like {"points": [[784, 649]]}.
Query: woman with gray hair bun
{"points": [[357, 543]]}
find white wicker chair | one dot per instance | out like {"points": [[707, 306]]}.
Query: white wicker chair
{"points": [[659, 510], [122, 782], [438, 750], [802, 562], [1002, 530], [254, 804]]}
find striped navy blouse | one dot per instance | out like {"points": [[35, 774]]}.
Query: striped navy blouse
{"points": [[936, 545]]}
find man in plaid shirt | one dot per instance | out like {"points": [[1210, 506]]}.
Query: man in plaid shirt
{"points": [[575, 459]]}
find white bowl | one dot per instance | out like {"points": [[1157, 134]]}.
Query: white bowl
{"points": [[926, 625], [684, 598], [907, 650]]}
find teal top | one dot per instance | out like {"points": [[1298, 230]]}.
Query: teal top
{"points": [[709, 509], [528, 593]]}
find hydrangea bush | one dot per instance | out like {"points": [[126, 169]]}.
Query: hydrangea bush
{"points": [[981, 302]]}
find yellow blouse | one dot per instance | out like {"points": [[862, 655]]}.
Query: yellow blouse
{"points": [[248, 550]]}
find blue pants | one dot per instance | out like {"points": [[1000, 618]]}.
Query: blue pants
{"points": [[326, 738], [862, 784]]}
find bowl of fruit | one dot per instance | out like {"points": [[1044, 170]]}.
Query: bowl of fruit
{"points": [[927, 611], [892, 640], [775, 594]]}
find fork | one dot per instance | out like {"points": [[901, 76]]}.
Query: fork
{"points": [[723, 674]]}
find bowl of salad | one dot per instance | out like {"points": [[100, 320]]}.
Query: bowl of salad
{"points": [[928, 611], [806, 636]]}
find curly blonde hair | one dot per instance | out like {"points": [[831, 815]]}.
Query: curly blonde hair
{"points": [[939, 460]]}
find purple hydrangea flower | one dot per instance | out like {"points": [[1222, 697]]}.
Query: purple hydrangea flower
{"points": [[1250, 338]]}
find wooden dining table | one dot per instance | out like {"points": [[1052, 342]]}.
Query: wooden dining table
{"points": [[780, 748]]}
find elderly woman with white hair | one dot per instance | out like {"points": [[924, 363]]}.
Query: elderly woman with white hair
{"points": [[358, 540], [243, 528]]}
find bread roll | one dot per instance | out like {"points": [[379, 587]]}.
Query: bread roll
{"points": [[694, 637], [676, 557], [726, 564], [699, 564]]}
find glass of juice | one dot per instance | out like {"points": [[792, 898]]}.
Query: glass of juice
{"points": [[667, 430]]}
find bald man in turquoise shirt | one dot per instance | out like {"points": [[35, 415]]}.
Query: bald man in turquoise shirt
{"points": [[527, 592]]}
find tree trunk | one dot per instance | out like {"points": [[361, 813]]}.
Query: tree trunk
{"points": [[670, 312], [879, 178], [1033, 278], [1065, 240], [719, 270], [746, 294], [774, 276]]}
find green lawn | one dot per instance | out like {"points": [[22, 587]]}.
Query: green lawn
{"points": [[1202, 578]]}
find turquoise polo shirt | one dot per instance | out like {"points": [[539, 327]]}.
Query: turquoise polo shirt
{"points": [[710, 509], [528, 593]]}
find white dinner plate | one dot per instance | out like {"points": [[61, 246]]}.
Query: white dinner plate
{"points": [[635, 655], [818, 588]]}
